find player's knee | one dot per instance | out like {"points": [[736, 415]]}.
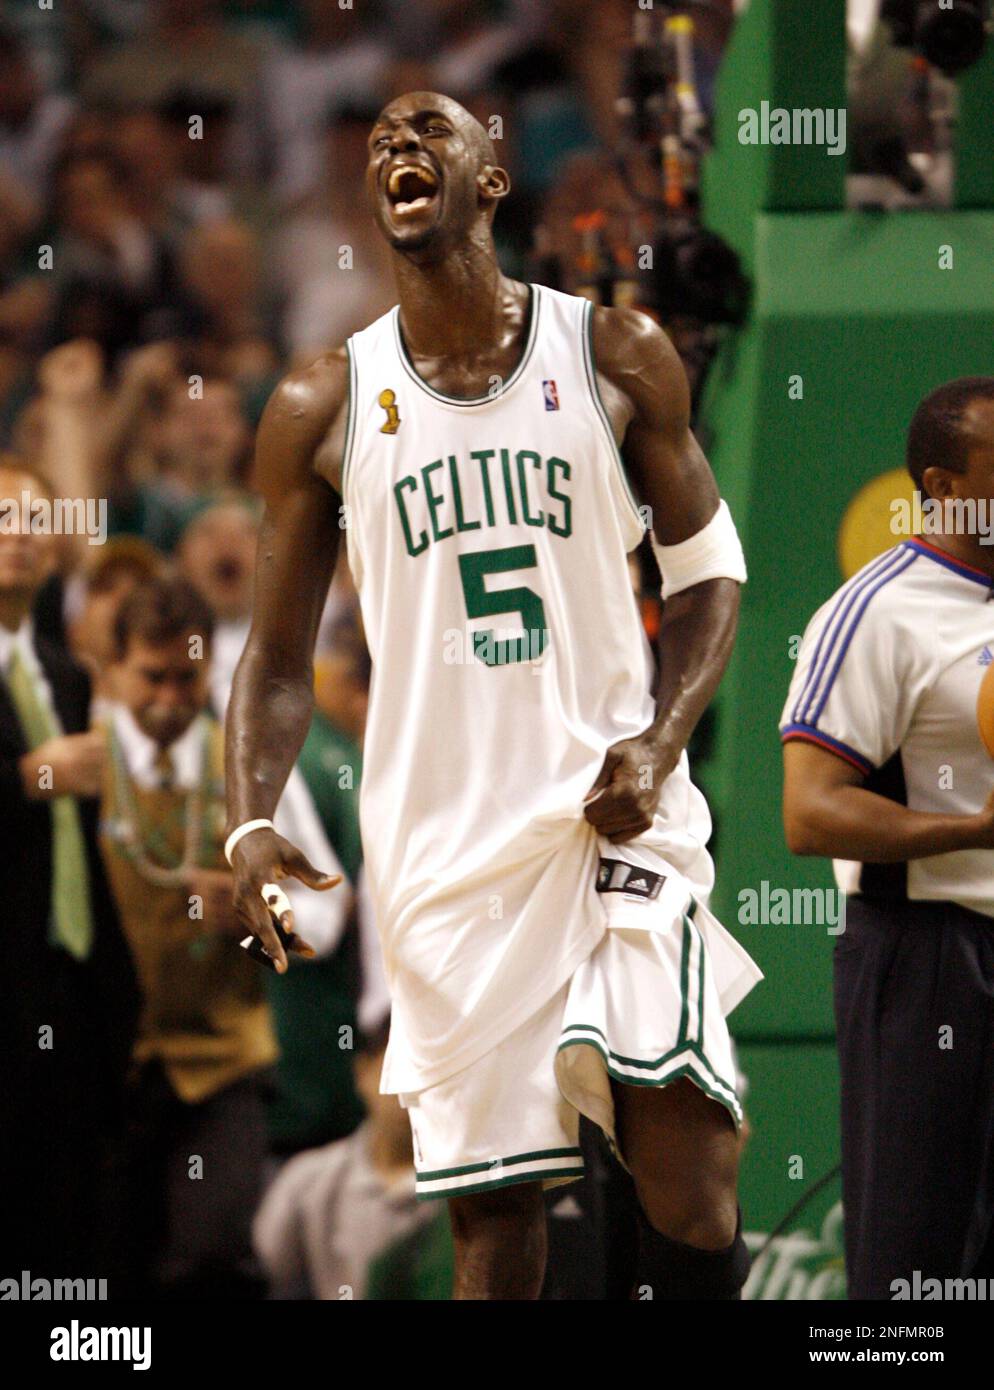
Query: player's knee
{"points": [[500, 1243], [670, 1268], [687, 1180], [703, 1220], [693, 1196]]}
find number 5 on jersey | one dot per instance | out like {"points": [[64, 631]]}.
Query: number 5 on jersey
{"points": [[484, 603]]}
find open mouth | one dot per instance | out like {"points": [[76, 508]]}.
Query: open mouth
{"points": [[410, 188], [227, 570]]}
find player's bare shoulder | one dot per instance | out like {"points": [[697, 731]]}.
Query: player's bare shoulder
{"points": [[635, 355], [302, 430]]}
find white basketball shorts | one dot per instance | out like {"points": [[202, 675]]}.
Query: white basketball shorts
{"points": [[644, 1008]]}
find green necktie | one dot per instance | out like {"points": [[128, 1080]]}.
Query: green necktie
{"points": [[71, 922], [165, 770]]}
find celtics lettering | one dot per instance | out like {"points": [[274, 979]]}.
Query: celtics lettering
{"points": [[490, 487]]}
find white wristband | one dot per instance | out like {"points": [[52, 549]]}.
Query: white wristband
{"points": [[714, 552], [241, 831]]}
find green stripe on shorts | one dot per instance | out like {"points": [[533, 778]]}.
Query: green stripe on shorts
{"points": [[666, 1068], [538, 1166]]}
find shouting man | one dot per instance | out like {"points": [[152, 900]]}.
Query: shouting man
{"points": [[534, 845]]}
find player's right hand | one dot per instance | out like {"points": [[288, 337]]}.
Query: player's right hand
{"points": [[263, 857]]}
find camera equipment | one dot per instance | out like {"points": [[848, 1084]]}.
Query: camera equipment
{"points": [[652, 253], [695, 274], [951, 39]]}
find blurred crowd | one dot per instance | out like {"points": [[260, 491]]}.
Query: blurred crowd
{"points": [[181, 220]]}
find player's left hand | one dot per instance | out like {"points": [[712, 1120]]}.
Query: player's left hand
{"points": [[263, 859], [622, 802]]}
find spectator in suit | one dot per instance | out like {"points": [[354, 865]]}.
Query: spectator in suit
{"points": [[67, 1021], [196, 1140]]}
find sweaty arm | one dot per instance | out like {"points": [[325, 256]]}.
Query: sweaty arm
{"points": [[272, 699], [827, 811], [641, 374]]}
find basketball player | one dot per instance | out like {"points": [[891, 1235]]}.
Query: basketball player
{"points": [[885, 770], [535, 848]]}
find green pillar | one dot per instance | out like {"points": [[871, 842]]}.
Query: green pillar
{"points": [[854, 317]]}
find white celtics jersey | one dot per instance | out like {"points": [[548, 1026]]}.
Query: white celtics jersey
{"points": [[488, 542], [887, 678]]}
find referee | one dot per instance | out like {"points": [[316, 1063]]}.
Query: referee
{"points": [[886, 772]]}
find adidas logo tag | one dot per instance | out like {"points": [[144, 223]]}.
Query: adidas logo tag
{"points": [[615, 876], [642, 884]]}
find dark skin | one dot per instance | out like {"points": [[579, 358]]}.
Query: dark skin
{"points": [[826, 809], [463, 323]]}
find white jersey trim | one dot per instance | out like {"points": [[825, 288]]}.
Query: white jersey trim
{"points": [[350, 428]]}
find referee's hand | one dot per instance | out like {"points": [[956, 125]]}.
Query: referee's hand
{"points": [[266, 857]]}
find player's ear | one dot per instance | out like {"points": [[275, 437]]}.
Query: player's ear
{"points": [[494, 181], [939, 482]]}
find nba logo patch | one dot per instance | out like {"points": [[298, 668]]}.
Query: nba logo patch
{"points": [[551, 395]]}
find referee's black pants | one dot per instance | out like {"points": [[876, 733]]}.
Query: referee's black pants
{"points": [[914, 1009]]}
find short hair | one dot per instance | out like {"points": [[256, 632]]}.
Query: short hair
{"points": [[936, 436], [223, 499], [122, 556], [161, 610]]}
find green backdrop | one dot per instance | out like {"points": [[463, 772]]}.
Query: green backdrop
{"points": [[853, 319]]}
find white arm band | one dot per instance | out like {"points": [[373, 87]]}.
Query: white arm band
{"points": [[241, 831], [714, 552]]}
